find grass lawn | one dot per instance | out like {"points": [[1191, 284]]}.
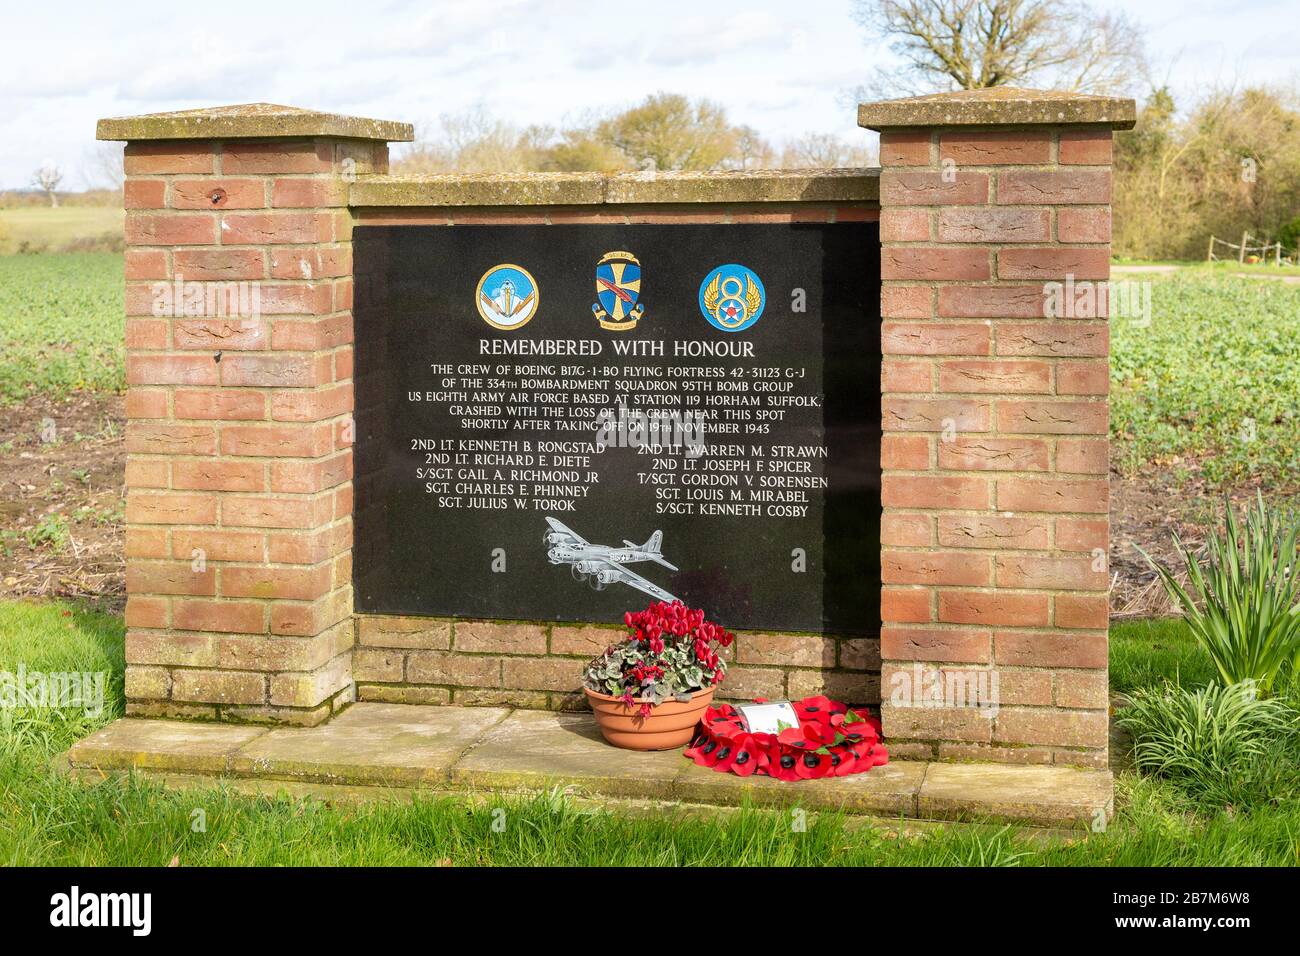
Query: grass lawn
{"points": [[45, 819], [43, 228]]}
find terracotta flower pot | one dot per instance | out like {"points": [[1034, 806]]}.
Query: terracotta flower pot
{"points": [[670, 724]]}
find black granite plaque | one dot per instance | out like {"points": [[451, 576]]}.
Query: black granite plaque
{"points": [[568, 422]]}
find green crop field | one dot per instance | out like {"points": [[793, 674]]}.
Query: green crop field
{"points": [[61, 324], [1213, 380], [40, 228]]}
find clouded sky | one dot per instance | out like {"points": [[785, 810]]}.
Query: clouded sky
{"points": [[783, 67]]}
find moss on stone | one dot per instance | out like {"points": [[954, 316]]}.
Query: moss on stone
{"points": [[999, 106], [250, 121]]}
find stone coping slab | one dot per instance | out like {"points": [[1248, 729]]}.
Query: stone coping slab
{"points": [[587, 189], [999, 106], [373, 749], [250, 121]]}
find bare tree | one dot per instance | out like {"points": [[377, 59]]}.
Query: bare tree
{"points": [[976, 44], [47, 179], [827, 151], [103, 167]]}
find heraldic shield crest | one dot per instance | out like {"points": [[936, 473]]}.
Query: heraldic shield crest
{"points": [[618, 285]]}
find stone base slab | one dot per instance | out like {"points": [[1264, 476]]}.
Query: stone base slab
{"points": [[374, 750]]}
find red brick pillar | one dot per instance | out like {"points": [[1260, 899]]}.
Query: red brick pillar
{"points": [[994, 534], [239, 403]]}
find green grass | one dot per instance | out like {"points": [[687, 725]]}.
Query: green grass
{"points": [[46, 819], [44, 229], [61, 324], [1211, 387], [1145, 653]]}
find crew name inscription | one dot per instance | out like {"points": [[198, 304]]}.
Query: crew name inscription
{"points": [[567, 422]]}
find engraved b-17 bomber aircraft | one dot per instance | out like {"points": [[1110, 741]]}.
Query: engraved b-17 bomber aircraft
{"points": [[600, 565]]}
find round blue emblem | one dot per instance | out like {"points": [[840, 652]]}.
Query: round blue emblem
{"points": [[732, 297]]}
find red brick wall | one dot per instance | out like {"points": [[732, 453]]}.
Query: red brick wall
{"points": [[423, 660], [238, 479], [994, 534]]}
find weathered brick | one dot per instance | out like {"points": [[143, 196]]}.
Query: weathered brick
{"points": [[540, 673], [905, 605], [143, 507], [1089, 456], [904, 452], [993, 531], [217, 545], [995, 148], [1052, 338], [934, 568], [1083, 378], [220, 404], [440, 667], [1053, 187], [998, 376], [220, 687], [935, 415], [239, 617], [904, 376], [904, 225], [934, 262], [1054, 263], [906, 301], [1068, 572], [168, 157], [218, 193], [489, 637], [405, 632], [254, 158], [905, 147], [1054, 417], [1091, 147], [1064, 728], [992, 225], [1083, 224], [983, 453], [935, 188], [222, 265], [1081, 611], [937, 491], [996, 608], [1089, 495], [787, 650], [168, 577], [906, 530], [174, 229], [921, 338]]}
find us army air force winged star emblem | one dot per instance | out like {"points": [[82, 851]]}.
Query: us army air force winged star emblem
{"points": [[732, 297], [618, 284]]}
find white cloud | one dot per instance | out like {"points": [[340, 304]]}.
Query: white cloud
{"points": [[780, 67]]}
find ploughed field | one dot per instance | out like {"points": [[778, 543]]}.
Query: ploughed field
{"points": [[1205, 403]]}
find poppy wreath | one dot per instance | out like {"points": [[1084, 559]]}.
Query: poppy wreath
{"points": [[830, 741]]}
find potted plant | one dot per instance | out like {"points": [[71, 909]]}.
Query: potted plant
{"points": [[649, 692]]}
